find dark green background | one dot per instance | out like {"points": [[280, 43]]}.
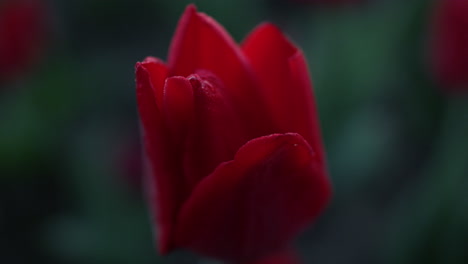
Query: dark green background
{"points": [[397, 141]]}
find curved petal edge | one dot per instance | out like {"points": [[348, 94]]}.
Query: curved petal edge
{"points": [[260, 200]]}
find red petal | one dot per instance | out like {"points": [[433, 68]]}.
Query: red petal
{"points": [[257, 203], [216, 133], [285, 83], [200, 43], [157, 72], [178, 107], [163, 185]]}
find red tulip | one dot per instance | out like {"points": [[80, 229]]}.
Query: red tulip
{"points": [[21, 35], [450, 46], [236, 163]]}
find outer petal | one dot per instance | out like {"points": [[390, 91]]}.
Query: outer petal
{"points": [[163, 180], [200, 43], [255, 204], [285, 84], [154, 72]]}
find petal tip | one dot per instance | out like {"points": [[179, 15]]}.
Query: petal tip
{"points": [[191, 7], [270, 26], [268, 32], [151, 59], [140, 71], [137, 66], [190, 10]]}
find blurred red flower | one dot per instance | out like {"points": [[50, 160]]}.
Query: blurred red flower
{"points": [[22, 24], [450, 43], [237, 166]]}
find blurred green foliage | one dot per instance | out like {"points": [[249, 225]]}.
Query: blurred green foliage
{"points": [[397, 144]]}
